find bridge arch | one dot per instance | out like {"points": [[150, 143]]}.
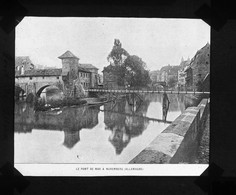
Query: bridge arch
{"points": [[18, 91], [159, 85], [40, 90]]}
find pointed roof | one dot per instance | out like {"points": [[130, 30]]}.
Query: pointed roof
{"points": [[68, 54]]}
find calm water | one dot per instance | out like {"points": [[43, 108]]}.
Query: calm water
{"points": [[112, 133]]}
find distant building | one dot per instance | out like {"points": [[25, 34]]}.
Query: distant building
{"points": [[200, 64], [169, 72], [182, 73], [164, 76], [94, 73], [154, 76], [189, 77], [100, 80], [72, 73], [181, 78], [184, 63], [22, 64], [198, 68], [72, 70]]}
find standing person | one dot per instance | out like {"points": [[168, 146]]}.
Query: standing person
{"points": [[165, 106]]}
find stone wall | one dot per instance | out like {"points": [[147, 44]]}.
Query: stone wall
{"points": [[179, 142], [70, 65]]}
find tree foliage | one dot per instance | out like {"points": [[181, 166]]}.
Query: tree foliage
{"points": [[117, 54], [172, 81], [135, 73], [130, 70]]}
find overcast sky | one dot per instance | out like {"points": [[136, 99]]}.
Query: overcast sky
{"points": [[158, 42]]}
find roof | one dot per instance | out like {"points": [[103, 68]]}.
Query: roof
{"points": [[20, 59], [40, 72], [83, 69], [88, 66], [68, 54], [201, 56]]}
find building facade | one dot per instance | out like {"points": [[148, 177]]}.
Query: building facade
{"points": [[164, 76], [110, 80], [198, 68], [189, 78], [72, 70], [94, 73], [32, 80], [22, 64], [155, 76], [71, 73], [200, 64], [181, 78]]}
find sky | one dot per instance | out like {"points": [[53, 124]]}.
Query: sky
{"points": [[157, 41]]}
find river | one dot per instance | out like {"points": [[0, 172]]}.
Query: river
{"points": [[112, 133]]}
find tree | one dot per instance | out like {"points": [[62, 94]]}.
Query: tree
{"points": [[134, 72], [172, 81], [129, 70], [117, 54]]}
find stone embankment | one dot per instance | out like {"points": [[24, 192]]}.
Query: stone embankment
{"points": [[179, 142]]}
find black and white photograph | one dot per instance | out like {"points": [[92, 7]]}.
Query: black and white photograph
{"points": [[111, 96]]}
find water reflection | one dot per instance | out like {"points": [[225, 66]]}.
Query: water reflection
{"points": [[117, 127], [127, 120], [70, 120]]}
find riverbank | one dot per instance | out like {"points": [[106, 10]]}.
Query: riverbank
{"points": [[180, 141], [203, 152]]}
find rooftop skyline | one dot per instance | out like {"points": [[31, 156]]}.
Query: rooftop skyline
{"points": [[158, 42]]}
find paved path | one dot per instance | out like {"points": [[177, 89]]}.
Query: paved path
{"points": [[203, 152]]}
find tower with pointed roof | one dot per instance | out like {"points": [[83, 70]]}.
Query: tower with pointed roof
{"points": [[70, 64]]}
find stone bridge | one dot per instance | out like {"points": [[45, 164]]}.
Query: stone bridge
{"points": [[36, 87]]}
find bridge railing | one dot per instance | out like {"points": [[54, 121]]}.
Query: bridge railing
{"points": [[145, 91]]}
